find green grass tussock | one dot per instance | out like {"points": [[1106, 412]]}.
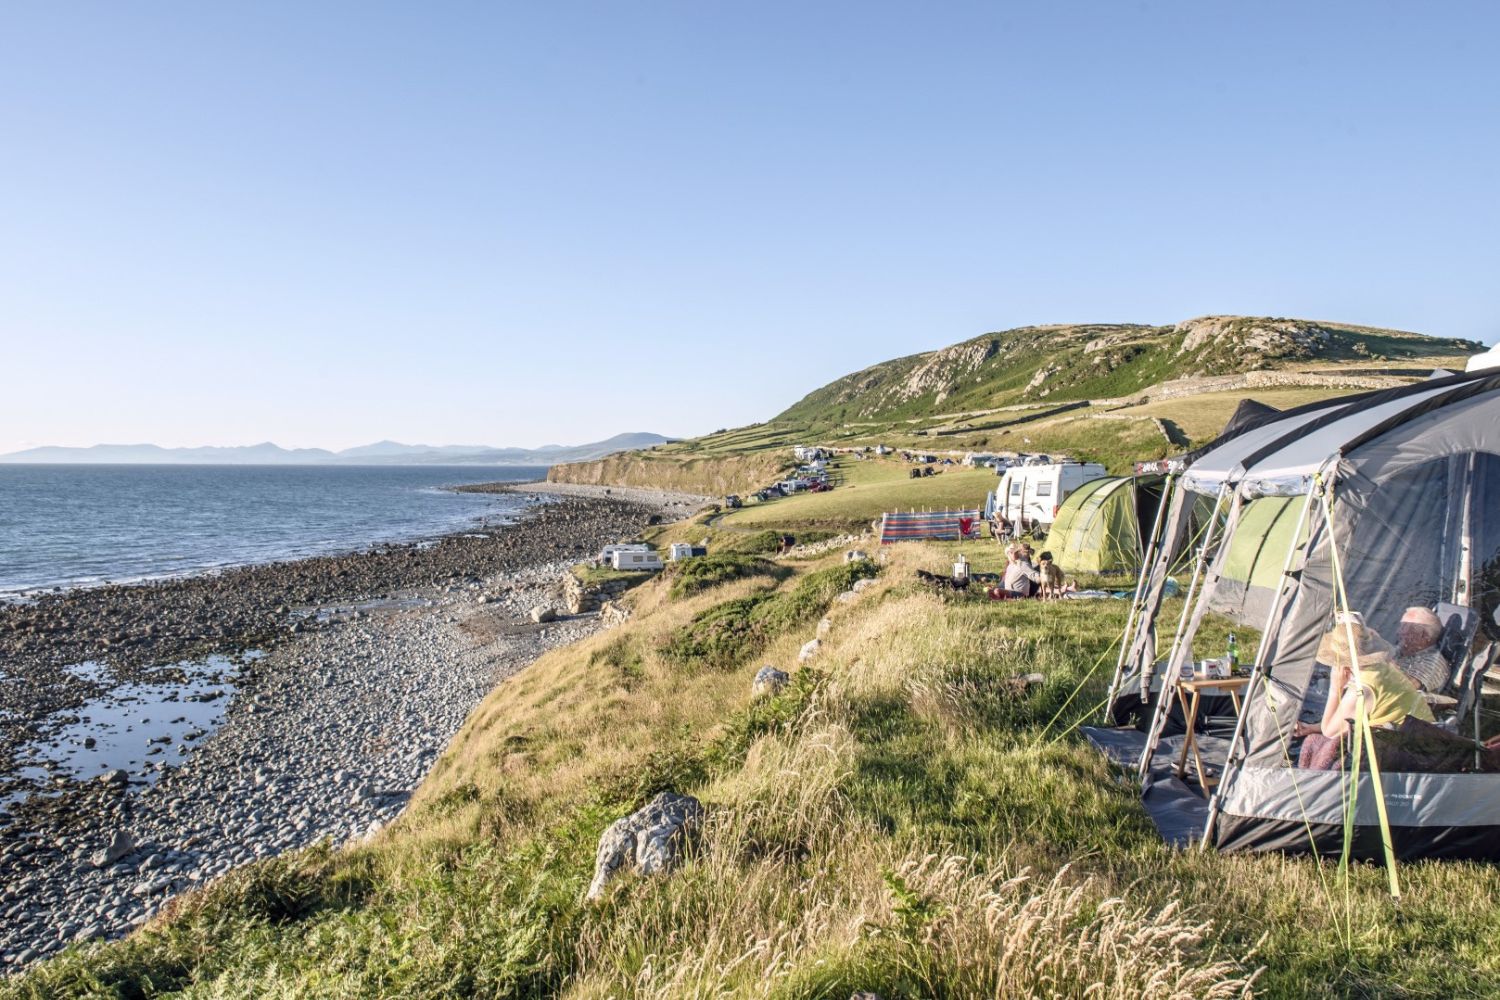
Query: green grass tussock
{"points": [[727, 634], [693, 576]]}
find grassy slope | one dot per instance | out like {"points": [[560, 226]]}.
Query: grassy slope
{"points": [[1094, 361], [978, 395], [870, 487], [898, 820]]}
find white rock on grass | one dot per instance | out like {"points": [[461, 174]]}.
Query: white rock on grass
{"points": [[648, 841], [768, 681], [824, 627], [809, 650]]}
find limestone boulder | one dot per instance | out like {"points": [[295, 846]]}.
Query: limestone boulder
{"points": [[768, 681], [650, 841]]}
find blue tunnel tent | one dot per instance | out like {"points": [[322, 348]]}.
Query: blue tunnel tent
{"points": [[1389, 492]]}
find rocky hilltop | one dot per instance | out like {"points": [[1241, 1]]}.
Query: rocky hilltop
{"points": [[1094, 361]]}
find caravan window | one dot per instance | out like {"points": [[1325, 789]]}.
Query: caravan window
{"points": [[1044, 488], [1015, 487]]}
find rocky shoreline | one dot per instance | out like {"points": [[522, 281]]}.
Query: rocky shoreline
{"points": [[364, 666]]}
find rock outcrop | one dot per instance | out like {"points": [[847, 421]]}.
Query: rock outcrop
{"points": [[649, 841], [768, 681]]}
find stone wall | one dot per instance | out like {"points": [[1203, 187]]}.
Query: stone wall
{"points": [[1271, 380], [580, 598]]}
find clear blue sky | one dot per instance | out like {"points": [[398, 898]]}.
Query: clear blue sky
{"points": [[324, 224]]}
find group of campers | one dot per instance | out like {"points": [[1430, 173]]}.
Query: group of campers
{"points": [[1399, 685]]}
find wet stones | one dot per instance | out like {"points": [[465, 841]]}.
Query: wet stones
{"points": [[350, 715], [120, 844]]}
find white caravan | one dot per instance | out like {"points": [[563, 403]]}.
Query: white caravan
{"points": [[1031, 494], [634, 559]]}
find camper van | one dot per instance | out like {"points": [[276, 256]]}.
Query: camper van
{"points": [[1031, 494]]}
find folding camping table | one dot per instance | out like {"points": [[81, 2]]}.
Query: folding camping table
{"points": [[1189, 691]]}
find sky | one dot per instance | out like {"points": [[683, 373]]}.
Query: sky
{"points": [[514, 224]]}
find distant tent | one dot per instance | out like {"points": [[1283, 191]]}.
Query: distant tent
{"points": [[1100, 526], [1249, 413]]}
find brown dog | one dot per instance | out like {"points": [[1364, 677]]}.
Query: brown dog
{"points": [[1052, 576]]}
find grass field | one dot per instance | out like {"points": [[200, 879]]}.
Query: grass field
{"points": [[1203, 416], [900, 819], [870, 488]]}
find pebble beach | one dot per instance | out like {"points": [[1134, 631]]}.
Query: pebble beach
{"points": [[155, 736]]}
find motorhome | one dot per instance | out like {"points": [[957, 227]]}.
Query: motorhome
{"points": [[1031, 494]]}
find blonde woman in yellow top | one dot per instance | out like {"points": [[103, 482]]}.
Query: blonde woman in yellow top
{"points": [[1389, 694]]}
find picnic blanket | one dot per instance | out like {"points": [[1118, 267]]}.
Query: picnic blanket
{"points": [[944, 525]]}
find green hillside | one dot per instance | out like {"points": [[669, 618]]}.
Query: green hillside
{"points": [[1111, 393], [1096, 361]]}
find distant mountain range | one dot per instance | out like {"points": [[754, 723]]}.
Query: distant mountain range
{"points": [[379, 453]]}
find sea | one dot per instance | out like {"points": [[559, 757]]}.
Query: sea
{"points": [[67, 526]]}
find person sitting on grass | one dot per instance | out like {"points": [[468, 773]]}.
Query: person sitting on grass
{"points": [[1021, 577], [1389, 695]]}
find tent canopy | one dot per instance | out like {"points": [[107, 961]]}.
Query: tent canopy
{"points": [[1407, 525], [1209, 469]]}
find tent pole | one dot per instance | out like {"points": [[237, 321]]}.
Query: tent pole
{"points": [[1466, 539], [1147, 564], [1361, 719], [1174, 657], [1259, 670]]}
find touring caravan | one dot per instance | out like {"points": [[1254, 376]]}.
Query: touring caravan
{"points": [[635, 559], [606, 555], [1031, 494]]}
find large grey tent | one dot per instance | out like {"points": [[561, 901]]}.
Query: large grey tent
{"points": [[1389, 493]]}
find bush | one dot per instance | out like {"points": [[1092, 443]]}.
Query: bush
{"points": [[727, 634], [623, 658], [693, 576], [759, 543]]}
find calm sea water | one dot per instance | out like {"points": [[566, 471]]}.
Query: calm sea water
{"points": [[76, 525]]}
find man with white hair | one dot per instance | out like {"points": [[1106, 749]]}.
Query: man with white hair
{"points": [[1417, 653]]}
